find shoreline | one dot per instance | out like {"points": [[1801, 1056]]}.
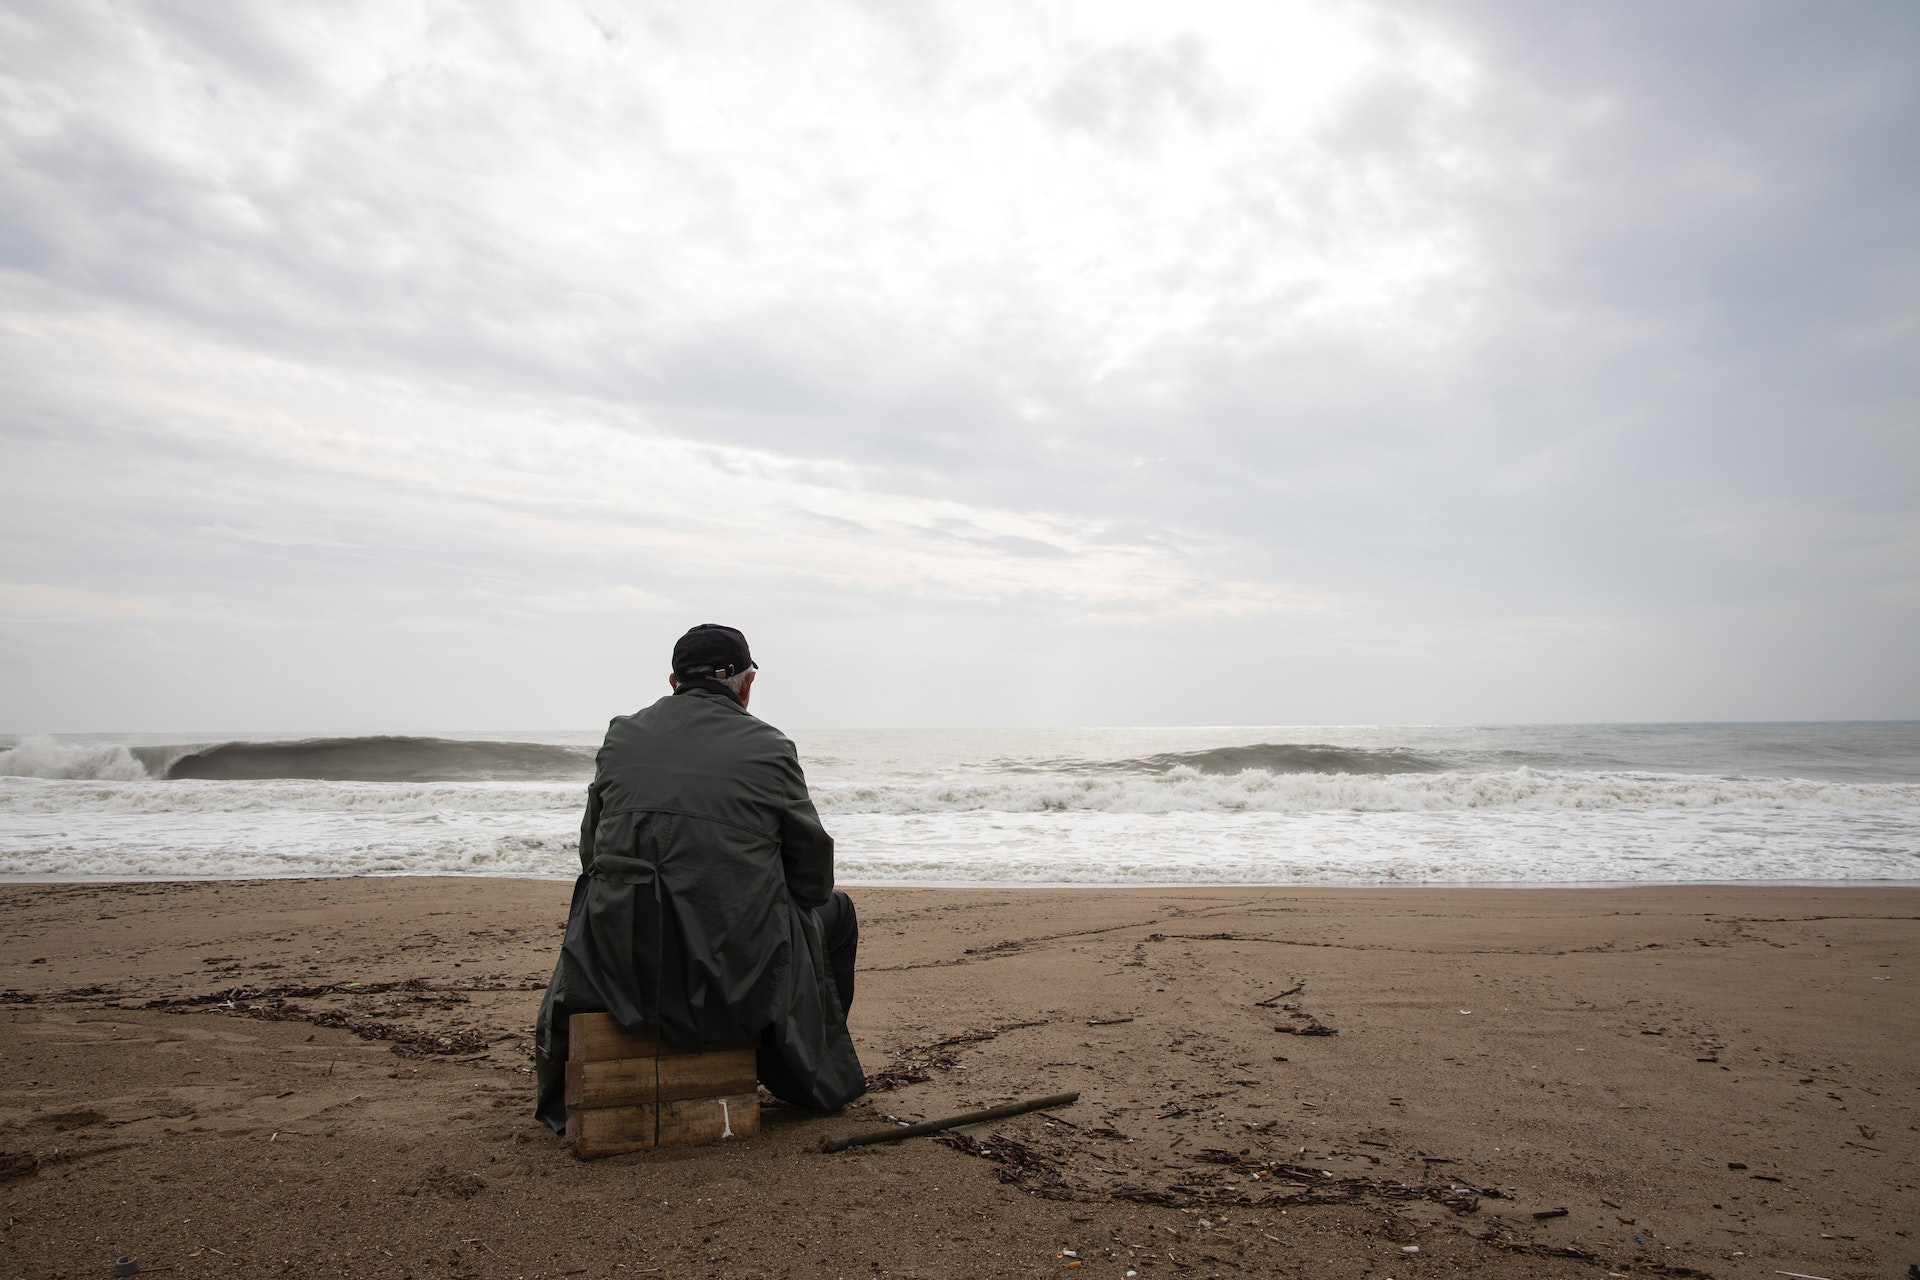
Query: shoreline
{"points": [[1046, 885], [1710, 1080]]}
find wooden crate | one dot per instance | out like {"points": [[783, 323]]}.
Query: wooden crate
{"points": [[625, 1093]]}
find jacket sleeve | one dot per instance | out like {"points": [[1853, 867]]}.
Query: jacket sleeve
{"points": [[806, 850], [588, 822]]}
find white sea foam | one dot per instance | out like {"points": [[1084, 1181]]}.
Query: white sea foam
{"points": [[1179, 791], [1334, 847], [1520, 827], [285, 795], [285, 828], [1185, 790], [1012, 807]]}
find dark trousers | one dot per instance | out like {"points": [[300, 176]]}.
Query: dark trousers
{"points": [[841, 928]]}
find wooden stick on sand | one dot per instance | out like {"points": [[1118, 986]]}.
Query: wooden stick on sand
{"points": [[952, 1122]]}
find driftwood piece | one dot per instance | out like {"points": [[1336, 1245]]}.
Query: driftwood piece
{"points": [[952, 1122]]}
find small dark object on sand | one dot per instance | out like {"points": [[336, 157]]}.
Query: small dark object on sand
{"points": [[1551, 1213]]}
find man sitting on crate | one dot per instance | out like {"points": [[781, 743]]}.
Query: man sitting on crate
{"points": [[705, 914]]}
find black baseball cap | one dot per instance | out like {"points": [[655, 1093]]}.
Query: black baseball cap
{"points": [[712, 650]]}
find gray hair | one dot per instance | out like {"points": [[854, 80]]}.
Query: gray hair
{"points": [[737, 681]]}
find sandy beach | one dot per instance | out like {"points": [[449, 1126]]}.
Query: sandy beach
{"points": [[331, 1077]]}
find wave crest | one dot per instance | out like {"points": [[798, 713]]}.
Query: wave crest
{"points": [[379, 759], [43, 757]]}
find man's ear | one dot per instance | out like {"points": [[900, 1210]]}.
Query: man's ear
{"points": [[673, 682], [746, 687]]}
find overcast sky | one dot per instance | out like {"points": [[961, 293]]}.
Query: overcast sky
{"points": [[403, 366]]}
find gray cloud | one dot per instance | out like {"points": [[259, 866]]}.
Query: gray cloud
{"points": [[1119, 93], [1575, 342]]}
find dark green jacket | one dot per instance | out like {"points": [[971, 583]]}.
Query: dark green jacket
{"points": [[693, 920]]}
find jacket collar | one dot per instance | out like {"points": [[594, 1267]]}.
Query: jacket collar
{"points": [[705, 685]]}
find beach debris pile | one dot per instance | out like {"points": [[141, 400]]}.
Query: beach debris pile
{"points": [[374, 1010], [1021, 1164], [915, 1064]]}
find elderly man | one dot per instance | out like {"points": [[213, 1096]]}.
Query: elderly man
{"points": [[705, 913]]}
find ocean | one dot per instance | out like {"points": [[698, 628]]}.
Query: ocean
{"points": [[1275, 805]]}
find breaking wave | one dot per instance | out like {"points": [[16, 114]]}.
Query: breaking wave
{"points": [[42, 757], [384, 759], [1281, 757], [416, 759], [374, 759], [1262, 757], [1527, 804]]}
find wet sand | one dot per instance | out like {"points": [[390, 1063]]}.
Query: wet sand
{"points": [[332, 1078]]}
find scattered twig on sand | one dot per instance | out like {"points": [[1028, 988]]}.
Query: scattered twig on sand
{"points": [[1108, 1022], [1299, 985], [1205, 937], [975, 1037], [1537, 1250]]}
